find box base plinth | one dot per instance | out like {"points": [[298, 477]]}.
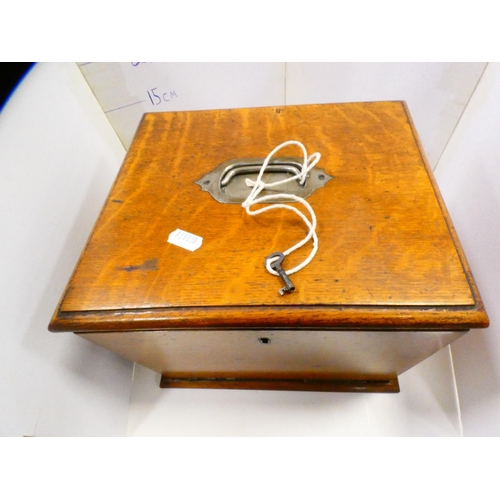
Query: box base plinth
{"points": [[313, 385]]}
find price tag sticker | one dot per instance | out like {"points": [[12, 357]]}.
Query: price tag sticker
{"points": [[185, 240]]}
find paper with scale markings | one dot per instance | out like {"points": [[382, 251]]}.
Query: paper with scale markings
{"points": [[127, 90]]}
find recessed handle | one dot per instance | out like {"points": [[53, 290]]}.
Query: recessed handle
{"points": [[245, 168], [226, 183]]}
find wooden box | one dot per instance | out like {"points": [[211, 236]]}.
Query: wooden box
{"points": [[388, 287]]}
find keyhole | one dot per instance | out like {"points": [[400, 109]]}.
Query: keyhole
{"points": [[264, 340]]}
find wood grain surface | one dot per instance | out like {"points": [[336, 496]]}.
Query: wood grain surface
{"points": [[388, 254]]}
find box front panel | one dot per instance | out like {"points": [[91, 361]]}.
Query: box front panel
{"points": [[278, 354]]}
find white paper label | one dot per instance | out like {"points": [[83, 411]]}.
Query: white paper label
{"points": [[185, 240]]}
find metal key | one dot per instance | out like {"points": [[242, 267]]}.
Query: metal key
{"points": [[276, 266]]}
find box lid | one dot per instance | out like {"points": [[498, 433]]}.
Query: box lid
{"points": [[388, 255]]}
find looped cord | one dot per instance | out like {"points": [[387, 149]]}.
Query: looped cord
{"points": [[258, 186]]}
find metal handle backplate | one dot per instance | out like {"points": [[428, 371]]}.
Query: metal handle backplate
{"points": [[226, 183]]}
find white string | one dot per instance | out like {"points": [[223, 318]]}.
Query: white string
{"points": [[258, 186]]}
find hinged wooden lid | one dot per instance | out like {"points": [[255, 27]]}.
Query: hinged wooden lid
{"points": [[388, 256]]}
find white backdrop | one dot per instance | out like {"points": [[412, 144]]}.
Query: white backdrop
{"points": [[58, 157], [469, 177]]}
